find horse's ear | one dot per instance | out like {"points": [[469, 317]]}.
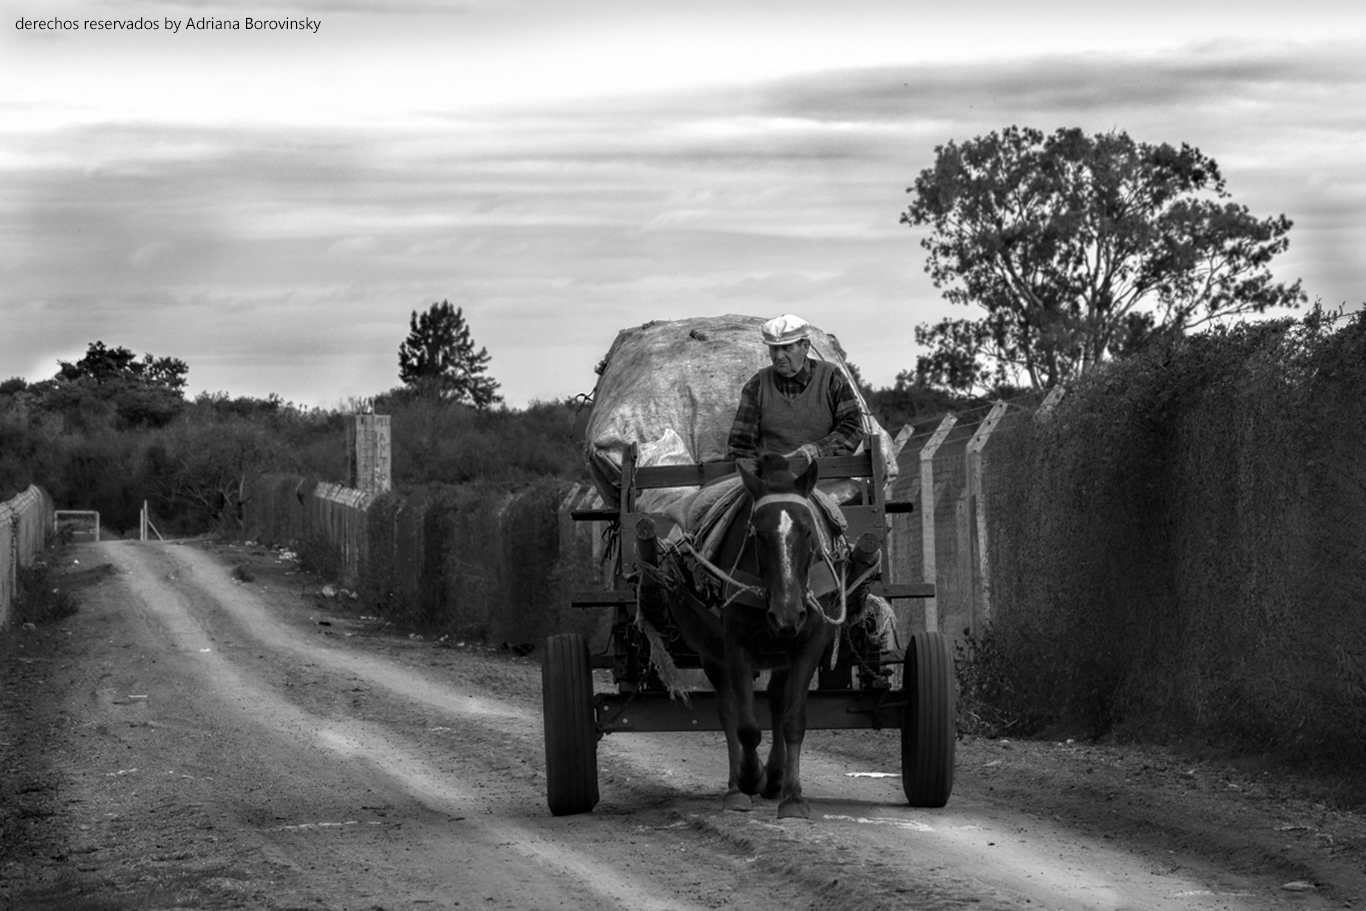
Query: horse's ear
{"points": [[807, 482], [750, 480]]}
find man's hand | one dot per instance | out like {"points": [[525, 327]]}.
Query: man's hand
{"points": [[800, 458]]}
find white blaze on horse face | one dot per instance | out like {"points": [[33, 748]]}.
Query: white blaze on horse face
{"points": [[785, 529]]}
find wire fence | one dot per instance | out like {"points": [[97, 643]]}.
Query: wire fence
{"points": [[26, 526], [942, 466]]}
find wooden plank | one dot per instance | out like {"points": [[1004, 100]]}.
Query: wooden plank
{"points": [[695, 475], [854, 466], [605, 598], [593, 515], [903, 589], [825, 710]]}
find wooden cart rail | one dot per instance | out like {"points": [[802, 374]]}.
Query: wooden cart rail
{"points": [[868, 515]]}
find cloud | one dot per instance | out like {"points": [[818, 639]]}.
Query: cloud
{"points": [[149, 253], [293, 254]]}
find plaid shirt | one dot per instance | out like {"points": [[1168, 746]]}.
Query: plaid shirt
{"points": [[842, 440]]}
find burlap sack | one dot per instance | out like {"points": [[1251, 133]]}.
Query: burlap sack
{"points": [[672, 387]]}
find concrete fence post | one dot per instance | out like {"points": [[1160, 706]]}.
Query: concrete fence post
{"points": [[979, 588], [367, 453], [1050, 401], [927, 499], [899, 443]]}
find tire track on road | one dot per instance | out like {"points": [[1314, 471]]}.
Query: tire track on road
{"points": [[176, 588]]}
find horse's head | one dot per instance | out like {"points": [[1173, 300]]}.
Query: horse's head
{"points": [[786, 540]]}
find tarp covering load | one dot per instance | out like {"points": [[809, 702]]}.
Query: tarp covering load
{"points": [[672, 388]]}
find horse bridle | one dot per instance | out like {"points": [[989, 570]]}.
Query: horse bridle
{"points": [[823, 552]]}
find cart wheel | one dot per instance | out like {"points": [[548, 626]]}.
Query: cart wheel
{"points": [[571, 734], [929, 728]]}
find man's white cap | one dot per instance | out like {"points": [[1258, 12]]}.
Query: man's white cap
{"points": [[786, 329]]}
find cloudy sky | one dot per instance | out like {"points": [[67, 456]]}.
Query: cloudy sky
{"points": [[270, 207]]}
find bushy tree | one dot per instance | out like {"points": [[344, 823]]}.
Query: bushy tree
{"points": [[111, 365], [202, 468], [112, 385], [438, 358], [1080, 248]]}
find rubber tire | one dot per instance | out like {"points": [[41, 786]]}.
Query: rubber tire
{"points": [[929, 729], [571, 733]]}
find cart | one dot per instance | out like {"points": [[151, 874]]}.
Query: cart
{"points": [[858, 691]]}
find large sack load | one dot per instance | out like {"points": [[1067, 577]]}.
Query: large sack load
{"points": [[672, 388]]}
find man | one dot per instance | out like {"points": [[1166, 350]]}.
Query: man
{"points": [[802, 408], [799, 407]]}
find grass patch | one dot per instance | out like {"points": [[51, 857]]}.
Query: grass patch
{"points": [[41, 599], [988, 702]]}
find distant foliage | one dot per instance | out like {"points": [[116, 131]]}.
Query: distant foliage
{"points": [[112, 431], [436, 441], [910, 402]]}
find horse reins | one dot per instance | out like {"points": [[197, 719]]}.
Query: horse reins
{"points": [[741, 588]]}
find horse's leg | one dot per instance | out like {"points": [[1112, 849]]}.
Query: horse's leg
{"points": [[793, 723], [774, 771], [735, 798], [740, 670]]}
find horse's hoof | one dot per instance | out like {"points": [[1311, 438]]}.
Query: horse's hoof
{"points": [[794, 809], [737, 800]]}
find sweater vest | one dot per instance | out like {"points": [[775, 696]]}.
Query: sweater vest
{"points": [[788, 421]]}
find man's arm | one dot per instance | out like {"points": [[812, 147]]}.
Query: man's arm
{"points": [[847, 434], [744, 431]]}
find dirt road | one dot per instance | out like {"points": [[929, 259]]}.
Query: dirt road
{"points": [[210, 732]]}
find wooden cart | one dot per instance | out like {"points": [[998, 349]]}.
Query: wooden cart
{"points": [[855, 693]]}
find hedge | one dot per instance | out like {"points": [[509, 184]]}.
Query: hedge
{"points": [[1181, 546], [469, 561]]}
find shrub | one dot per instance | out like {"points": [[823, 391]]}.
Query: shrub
{"points": [[40, 599], [320, 556], [990, 702]]}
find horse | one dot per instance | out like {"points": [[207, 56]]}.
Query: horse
{"points": [[774, 623]]}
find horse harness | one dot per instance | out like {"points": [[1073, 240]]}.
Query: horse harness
{"points": [[746, 589]]}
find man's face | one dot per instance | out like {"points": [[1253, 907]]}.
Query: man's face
{"points": [[788, 359]]}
